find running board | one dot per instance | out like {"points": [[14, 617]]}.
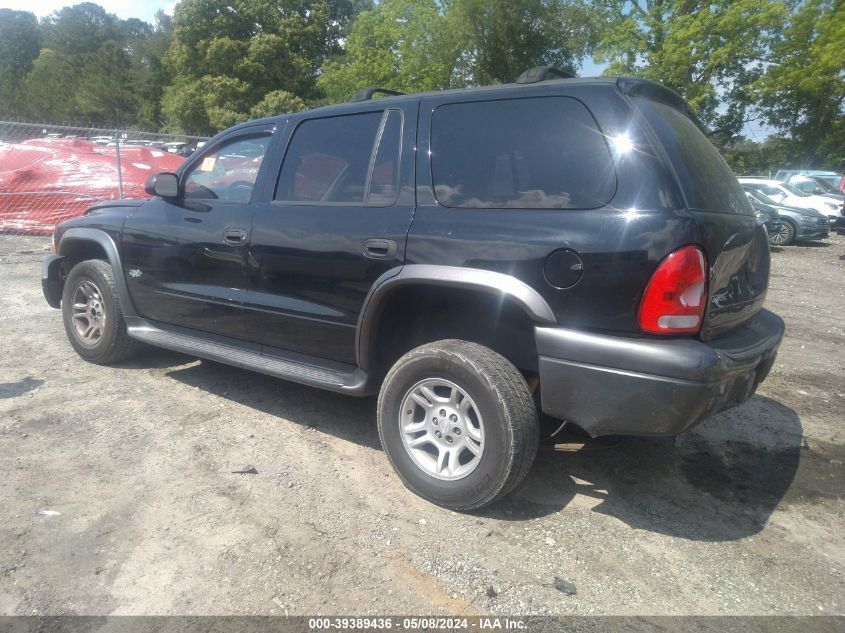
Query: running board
{"points": [[305, 370]]}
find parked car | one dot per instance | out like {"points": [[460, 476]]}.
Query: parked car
{"points": [[785, 194], [794, 225], [572, 246], [830, 177], [815, 185], [768, 216]]}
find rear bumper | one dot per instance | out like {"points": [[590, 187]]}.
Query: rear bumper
{"points": [[610, 385], [52, 283]]}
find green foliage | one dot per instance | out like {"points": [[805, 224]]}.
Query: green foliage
{"points": [[19, 47], [277, 102], [417, 45], [227, 56], [47, 91], [80, 29], [708, 52], [496, 40], [803, 91], [398, 44], [105, 91]]}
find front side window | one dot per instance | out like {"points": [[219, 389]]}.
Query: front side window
{"points": [[350, 159], [535, 153], [228, 171]]}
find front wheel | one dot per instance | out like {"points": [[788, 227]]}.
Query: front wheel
{"points": [[458, 423], [783, 235], [92, 314]]}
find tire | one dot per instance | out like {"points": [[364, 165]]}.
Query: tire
{"points": [[483, 396], [784, 234], [92, 281]]}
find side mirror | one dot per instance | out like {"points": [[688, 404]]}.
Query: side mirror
{"points": [[165, 185]]}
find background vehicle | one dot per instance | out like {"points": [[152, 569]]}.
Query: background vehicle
{"points": [[816, 186], [832, 178], [769, 217], [794, 225], [785, 194], [469, 255]]}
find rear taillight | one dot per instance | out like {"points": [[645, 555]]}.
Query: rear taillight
{"points": [[676, 296]]}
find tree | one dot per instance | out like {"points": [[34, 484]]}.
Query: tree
{"points": [[414, 45], [226, 56], [49, 88], [105, 94], [19, 47], [803, 90], [709, 52], [80, 29], [398, 44], [277, 102], [496, 40]]}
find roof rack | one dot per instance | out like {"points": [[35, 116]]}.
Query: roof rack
{"points": [[365, 94], [542, 73]]}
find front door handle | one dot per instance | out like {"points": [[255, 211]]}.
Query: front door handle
{"points": [[380, 248], [234, 235]]}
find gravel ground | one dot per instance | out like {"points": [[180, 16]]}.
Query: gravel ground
{"points": [[743, 515]]}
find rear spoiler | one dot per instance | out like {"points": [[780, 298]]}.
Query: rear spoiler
{"points": [[634, 87]]}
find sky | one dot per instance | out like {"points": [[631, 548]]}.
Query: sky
{"points": [[143, 9]]}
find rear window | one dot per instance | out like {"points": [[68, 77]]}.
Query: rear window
{"points": [[536, 153], [707, 182]]}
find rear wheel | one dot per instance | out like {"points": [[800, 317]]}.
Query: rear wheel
{"points": [[783, 235], [92, 315], [458, 423]]}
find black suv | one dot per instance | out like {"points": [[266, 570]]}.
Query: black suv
{"points": [[571, 247]]}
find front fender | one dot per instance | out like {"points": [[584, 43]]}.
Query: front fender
{"points": [[106, 243]]}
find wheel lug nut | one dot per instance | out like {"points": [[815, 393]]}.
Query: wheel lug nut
{"points": [[456, 431], [438, 434], [435, 421], [442, 413], [453, 418], [449, 439]]}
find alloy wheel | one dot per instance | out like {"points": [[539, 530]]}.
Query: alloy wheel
{"points": [[441, 429]]}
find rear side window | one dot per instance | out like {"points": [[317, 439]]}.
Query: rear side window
{"points": [[535, 153], [350, 159], [707, 182]]}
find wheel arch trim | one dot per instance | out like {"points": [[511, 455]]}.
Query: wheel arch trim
{"points": [[491, 282], [104, 241]]}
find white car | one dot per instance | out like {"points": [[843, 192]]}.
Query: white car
{"points": [[786, 194]]}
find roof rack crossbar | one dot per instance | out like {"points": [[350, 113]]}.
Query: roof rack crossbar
{"points": [[365, 94], [542, 73]]}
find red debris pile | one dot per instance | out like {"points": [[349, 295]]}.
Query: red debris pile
{"points": [[45, 181]]}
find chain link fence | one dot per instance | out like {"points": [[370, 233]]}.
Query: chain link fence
{"points": [[49, 173]]}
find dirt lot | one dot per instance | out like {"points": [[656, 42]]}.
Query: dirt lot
{"points": [[743, 516]]}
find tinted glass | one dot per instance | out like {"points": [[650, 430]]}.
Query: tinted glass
{"points": [[542, 153], [228, 171], [328, 159], [705, 178], [384, 185]]}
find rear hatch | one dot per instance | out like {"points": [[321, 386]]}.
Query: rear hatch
{"points": [[735, 242]]}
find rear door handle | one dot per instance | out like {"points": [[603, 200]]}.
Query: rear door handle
{"points": [[379, 248], [234, 235]]}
